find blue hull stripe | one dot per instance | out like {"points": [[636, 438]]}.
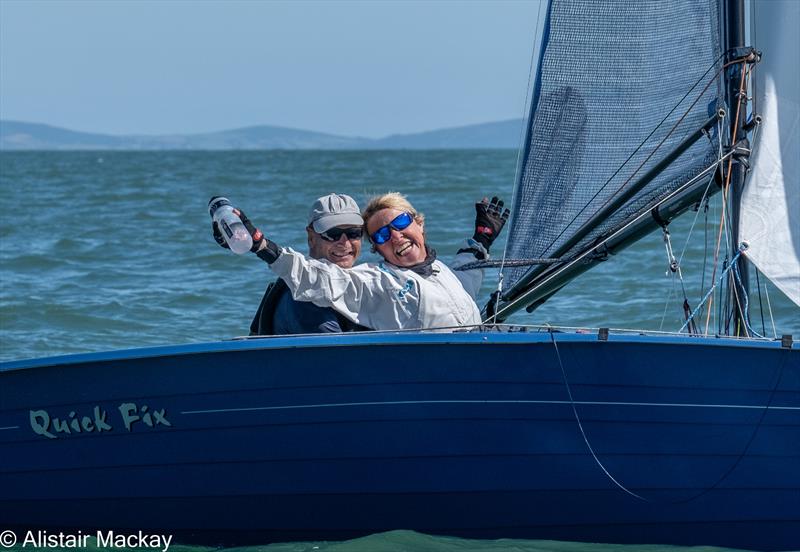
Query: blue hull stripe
{"points": [[398, 403]]}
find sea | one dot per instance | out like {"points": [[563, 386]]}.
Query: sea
{"points": [[103, 250]]}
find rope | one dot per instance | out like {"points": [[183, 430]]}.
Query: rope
{"points": [[702, 492], [702, 204], [746, 314], [749, 443], [511, 262], [727, 179], [580, 426], [674, 268], [710, 291], [636, 218]]}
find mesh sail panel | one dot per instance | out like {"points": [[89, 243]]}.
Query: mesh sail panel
{"points": [[610, 72]]}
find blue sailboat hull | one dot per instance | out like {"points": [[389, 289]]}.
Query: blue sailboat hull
{"points": [[637, 439]]}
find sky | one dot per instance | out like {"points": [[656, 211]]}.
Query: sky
{"points": [[351, 68]]}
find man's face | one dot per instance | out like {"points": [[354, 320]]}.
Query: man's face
{"points": [[343, 252]]}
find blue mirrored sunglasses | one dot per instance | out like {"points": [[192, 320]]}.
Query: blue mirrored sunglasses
{"points": [[334, 234], [400, 222]]}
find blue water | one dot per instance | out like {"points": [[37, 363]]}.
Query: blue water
{"points": [[410, 541], [109, 250]]}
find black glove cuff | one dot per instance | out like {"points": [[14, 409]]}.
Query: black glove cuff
{"points": [[269, 253], [484, 239], [477, 252]]}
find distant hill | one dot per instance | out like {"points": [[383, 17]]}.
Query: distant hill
{"points": [[17, 135], [502, 134]]}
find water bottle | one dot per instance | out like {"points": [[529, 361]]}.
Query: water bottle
{"points": [[230, 225]]}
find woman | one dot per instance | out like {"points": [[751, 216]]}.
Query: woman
{"points": [[410, 288]]}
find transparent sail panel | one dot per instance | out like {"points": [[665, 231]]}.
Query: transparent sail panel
{"points": [[611, 72]]}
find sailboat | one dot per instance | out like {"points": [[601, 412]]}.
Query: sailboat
{"points": [[640, 111]]}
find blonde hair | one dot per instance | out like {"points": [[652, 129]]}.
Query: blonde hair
{"points": [[390, 200]]}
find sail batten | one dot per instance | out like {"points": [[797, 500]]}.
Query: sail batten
{"points": [[610, 103]]}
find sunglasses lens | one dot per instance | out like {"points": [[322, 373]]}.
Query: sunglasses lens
{"points": [[334, 234], [400, 222], [382, 235]]}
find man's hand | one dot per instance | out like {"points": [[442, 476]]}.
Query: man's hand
{"points": [[218, 235], [255, 233], [489, 220], [264, 248]]}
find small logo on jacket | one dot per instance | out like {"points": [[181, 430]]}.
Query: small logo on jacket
{"points": [[401, 294]]}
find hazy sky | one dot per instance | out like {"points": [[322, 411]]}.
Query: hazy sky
{"points": [[352, 68]]}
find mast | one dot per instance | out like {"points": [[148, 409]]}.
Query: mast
{"points": [[735, 26]]}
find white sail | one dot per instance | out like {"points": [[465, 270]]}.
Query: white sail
{"points": [[770, 218]]}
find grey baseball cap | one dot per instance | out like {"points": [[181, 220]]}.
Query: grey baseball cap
{"points": [[334, 210]]}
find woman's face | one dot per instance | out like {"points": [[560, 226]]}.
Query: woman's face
{"points": [[405, 247]]}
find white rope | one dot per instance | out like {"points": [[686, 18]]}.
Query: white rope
{"points": [[583, 433]]}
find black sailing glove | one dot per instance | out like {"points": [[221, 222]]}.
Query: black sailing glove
{"points": [[266, 250], [489, 220], [218, 235]]}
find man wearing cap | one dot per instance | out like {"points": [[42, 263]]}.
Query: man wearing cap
{"points": [[334, 235], [410, 288]]}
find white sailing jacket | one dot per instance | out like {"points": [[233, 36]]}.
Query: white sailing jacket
{"points": [[383, 296]]}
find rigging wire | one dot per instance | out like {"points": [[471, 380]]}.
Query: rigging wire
{"points": [[726, 185], [705, 246], [586, 253], [702, 204], [746, 316], [715, 78], [666, 305], [769, 306], [675, 269], [753, 146], [526, 115], [705, 214], [713, 287], [642, 143], [760, 304], [735, 279]]}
